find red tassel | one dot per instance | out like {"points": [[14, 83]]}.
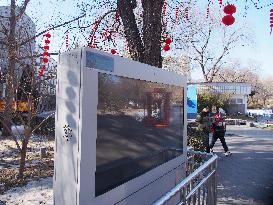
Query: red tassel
{"points": [[66, 40], [94, 42], [220, 3], [164, 8], [187, 13], [176, 14], [207, 13], [117, 15], [271, 20]]}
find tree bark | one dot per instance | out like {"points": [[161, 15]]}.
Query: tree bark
{"points": [[152, 31], [10, 71], [23, 159], [126, 9]]}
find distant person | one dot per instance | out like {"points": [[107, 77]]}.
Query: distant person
{"points": [[219, 130], [204, 125]]}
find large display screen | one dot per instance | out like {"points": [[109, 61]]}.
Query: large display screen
{"points": [[139, 126]]}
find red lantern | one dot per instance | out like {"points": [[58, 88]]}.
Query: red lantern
{"points": [[113, 51], [47, 35], [47, 41], [228, 20], [166, 47], [230, 9], [46, 47], [168, 41], [45, 60], [46, 53]]}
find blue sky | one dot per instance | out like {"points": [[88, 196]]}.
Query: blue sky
{"points": [[262, 51]]}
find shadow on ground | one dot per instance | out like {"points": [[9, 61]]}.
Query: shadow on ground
{"points": [[246, 176]]}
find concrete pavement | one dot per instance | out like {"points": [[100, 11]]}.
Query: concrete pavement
{"points": [[246, 177]]}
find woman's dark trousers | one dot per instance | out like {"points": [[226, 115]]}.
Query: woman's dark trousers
{"points": [[206, 141], [221, 136]]}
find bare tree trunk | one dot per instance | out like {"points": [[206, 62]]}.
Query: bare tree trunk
{"points": [[149, 50], [126, 8], [23, 159], [10, 72], [152, 31]]}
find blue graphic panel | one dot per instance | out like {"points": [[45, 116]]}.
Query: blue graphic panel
{"points": [[98, 61], [191, 101]]}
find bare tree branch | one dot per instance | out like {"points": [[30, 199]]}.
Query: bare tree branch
{"points": [[23, 9], [51, 28]]}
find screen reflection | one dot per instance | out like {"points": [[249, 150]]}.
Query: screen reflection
{"points": [[140, 126]]}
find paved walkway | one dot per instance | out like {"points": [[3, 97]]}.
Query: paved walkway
{"points": [[246, 177]]}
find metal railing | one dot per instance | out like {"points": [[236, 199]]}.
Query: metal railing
{"points": [[199, 187]]}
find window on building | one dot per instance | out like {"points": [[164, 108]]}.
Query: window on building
{"points": [[232, 101], [239, 101]]}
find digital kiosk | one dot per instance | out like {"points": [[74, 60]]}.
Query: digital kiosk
{"points": [[120, 130]]}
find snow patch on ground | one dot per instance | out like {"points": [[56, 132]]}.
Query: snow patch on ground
{"points": [[34, 193]]}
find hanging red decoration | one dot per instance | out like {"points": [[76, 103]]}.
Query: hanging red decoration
{"points": [[220, 3], [47, 41], [47, 35], [164, 8], [93, 33], [207, 15], [45, 60], [45, 54], [176, 14], [166, 47], [95, 42], [168, 41], [187, 13], [271, 21], [66, 40], [230, 9], [228, 20], [117, 15], [113, 51]]}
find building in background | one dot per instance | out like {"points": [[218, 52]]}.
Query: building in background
{"points": [[238, 94], [25, 29]]}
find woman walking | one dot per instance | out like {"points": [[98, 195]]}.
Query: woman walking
{"points": [[218, 131]]}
